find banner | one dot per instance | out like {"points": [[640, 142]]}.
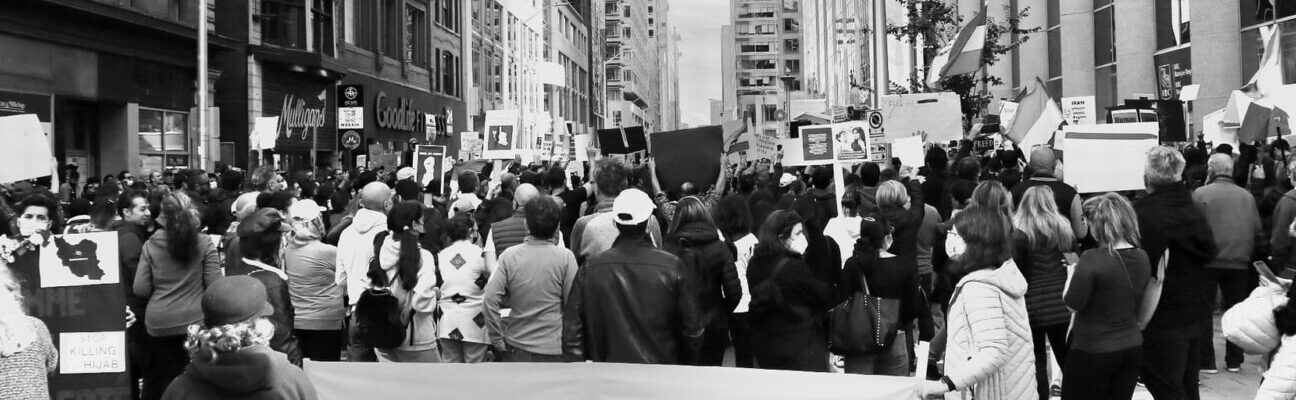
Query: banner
{"points": [[689, 155], [73, 286], [503, 139], [429, 164], [593, 381], [939, 115], [26, 153], [1080, 110], [1108, 157]]}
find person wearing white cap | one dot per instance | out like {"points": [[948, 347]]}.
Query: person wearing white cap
{"points": [[633, 303], [595, 233], [311, 266]]}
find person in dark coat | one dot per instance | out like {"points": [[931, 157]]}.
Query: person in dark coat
{"points": [[1168, 219], [695, 239], [934, 188], [787, 299], [888, 277], [132, 232], [1040, 238], [260, 239]]}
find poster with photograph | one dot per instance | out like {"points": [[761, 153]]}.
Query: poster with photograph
{"points": [[503, 137], [852, 141]]}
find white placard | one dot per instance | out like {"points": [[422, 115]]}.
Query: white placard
{"points": [[26, 153], [1189, 92], [350, 118], [265, 131], [80, 259], [1108, 157], [582, 143], [1079, 110], [1007, 114], [909, 150], [92, 352], [939, 115]]}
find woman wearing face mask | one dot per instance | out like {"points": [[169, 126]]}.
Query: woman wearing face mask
{"points": [[176, 265], [410, 272], [316, 297], [889, 277], [786, 296]]}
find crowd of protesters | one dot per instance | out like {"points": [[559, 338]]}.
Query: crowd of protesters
{"points": [[232, 278]]}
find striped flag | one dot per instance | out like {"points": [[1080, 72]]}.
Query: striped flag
{"points": [[1269, 76], [1038, 116], [963, 55]]}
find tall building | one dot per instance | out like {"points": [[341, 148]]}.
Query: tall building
{"points": [[508, 44], [667, 38], [835, 50], [717, 111], [568, 39], [767, 62], [598, 56], [728, 74], [631, 66]]}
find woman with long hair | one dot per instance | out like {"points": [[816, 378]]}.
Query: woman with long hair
{"points": [[733, 218], [787, 298], [1105, 291], [464, 270], [1041, 238], [176, 265], [889, 277], [988, 346], [410, 272], [27, 354], [694, 238]]}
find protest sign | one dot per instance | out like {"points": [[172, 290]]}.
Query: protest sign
{"points": [[852, 141], [622, 140], [689, 155], [1079, 110], [582, 144], [939, 115], [429, 164], [26, 153], [1108, 157], [265, 132], [590, 381], [503, 139], [72, 285], [909, 150], [763, 146], [817, 146], [1007, 114], [470, 145]]}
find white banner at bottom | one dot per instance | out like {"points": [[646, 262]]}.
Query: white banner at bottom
{"points": [[590, 381]]}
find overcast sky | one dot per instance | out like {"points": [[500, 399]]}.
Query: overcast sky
{"points": [[699, 22]]}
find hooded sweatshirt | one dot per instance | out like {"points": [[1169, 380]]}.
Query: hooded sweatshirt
{"points": [[355, 248], [254, 372], [422, 300], [698, 245], [989, 348]]}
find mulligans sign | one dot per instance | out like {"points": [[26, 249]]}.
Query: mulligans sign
{"points": [[298, 116]]}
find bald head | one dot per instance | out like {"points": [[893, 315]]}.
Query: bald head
{"points": [[375, 196], [524, 193], [1220, 164], [1042, 161]]}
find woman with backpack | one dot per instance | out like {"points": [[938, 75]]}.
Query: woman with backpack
{"points": [[888, 276], [694, 238], [176, 265], [1105, 291], [464, 270], [1040, 239], [733, 218], [408, 274], [786, 298]]}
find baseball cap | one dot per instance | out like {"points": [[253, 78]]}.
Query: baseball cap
{"points": [[244, 204], [305, 209], [786, 179], [632, 207], [405, 173], [234, 299], [265, 219]]}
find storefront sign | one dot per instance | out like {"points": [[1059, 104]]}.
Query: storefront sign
{"points": [[12, 103], [307, 117], [298, 115], [350, 107], [398, 114], [1174, 70], [351, 139]]}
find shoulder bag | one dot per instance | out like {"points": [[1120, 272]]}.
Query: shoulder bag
{"points": [[864, 324]]}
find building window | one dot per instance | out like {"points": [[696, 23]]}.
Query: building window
{"points": [[283, 23], [1253, 50], [1105, 92], [1172, 23], [791, 25], [760, 47], [393, 27], [322, 26], [769, 112], [1256, 12], [416, 36], [362, 23], [791, 67], [163, 139], [1054, 53], [448, 14], [449, 79], [1104, 37]]}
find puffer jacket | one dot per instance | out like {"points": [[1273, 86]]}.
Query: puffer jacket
{"points": [[1250, 323], [1045, 278], [989, 349], [1280, 379]]}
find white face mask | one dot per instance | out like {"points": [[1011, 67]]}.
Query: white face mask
{"points": [[798, 244], [954, 245], [30, 226]]}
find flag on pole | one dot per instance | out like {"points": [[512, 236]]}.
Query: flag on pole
{"points": [[1038, 116], [963, 55], [1269, 76]]}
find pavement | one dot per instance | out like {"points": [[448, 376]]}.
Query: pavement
{"points": [[1224, 385]]}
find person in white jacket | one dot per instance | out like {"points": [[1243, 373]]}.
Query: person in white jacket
{"points": [[989, 350], [410, 273], [355, 249]]}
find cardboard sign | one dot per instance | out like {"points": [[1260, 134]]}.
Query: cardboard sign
{"points": [[909, 150], [470, 145], [938, 115], [622, 140], [429, 164], [503, 139], [1108, 157], [582, 144], [265, 132], [26, 153], [689, 155], [85, 321]]}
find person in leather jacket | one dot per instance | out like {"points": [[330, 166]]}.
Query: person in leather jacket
{"points": [[643, 308]]}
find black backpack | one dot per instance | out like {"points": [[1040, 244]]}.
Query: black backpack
{"points": [[379, 323]]}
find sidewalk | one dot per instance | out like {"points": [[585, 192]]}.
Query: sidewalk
{"points": [[1225, 385]]}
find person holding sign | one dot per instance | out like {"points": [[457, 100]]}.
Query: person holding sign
{"points": [[27, 354]]}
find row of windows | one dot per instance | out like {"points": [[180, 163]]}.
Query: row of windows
{"points": [[400, 29]]}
